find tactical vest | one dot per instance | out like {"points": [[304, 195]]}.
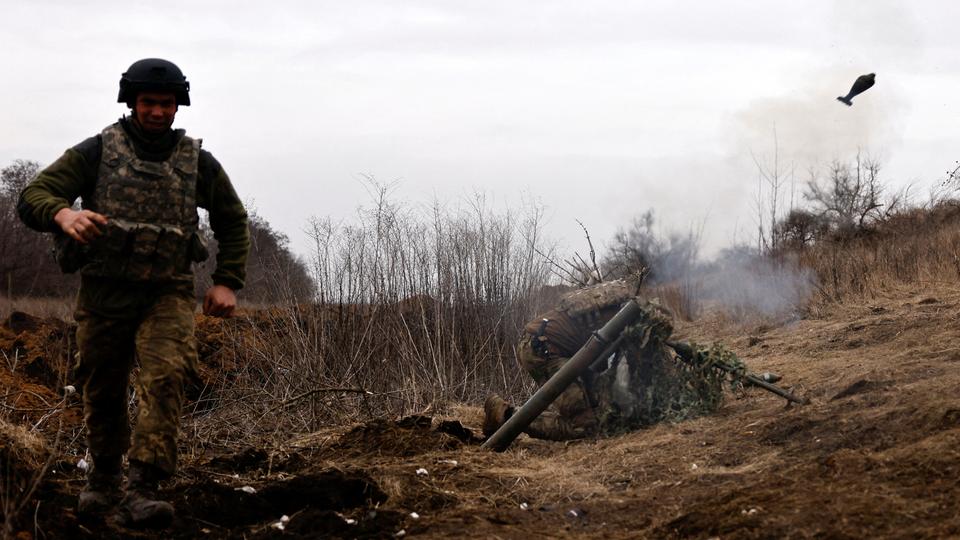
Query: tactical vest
{"points": [[152, 233]]}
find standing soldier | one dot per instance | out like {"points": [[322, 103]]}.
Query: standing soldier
{"points": [[134, 242]]}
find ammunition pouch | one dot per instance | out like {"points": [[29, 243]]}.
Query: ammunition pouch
{"points": [[143, 251], [198, 248], [69, 254]]}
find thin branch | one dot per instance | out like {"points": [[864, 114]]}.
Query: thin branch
{"points": [[583, 265], [593, 253], [952, 175], [569, 275], [641, 277]]}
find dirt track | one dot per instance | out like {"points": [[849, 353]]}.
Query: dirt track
{"points": [[877, 454]]}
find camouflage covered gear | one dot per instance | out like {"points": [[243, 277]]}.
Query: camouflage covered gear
{"points": [[152, 233], [640, 385], [561, 332], [592, 301], [647, 385], [655, 326], [162, 342], [549, 343]]}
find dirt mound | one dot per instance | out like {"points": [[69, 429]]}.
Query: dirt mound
{"points": [[41, 349], [334, 491], [240, 507], [36, 361], [317, 503], [247, 459]]}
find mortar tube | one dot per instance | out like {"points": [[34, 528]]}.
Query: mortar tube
{"points": [[563, 378]]}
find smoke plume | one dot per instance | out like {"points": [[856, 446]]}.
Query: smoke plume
{"points": [[745, 284]]}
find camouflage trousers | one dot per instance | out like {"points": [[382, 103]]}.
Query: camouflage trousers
{"points": [[570, 416], [160, 340]]}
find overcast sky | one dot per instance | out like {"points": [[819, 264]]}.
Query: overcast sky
{"points": [[600, 110]]}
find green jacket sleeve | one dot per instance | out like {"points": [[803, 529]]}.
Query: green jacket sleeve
{"points": [[55, 188], [228, 219]]}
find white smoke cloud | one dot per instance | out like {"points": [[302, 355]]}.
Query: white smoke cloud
{"points": [[808, 125], [744, 284], [811, 127]]}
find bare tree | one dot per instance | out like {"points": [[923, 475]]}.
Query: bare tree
{"points": [[634, 247], [799, 229], [27, 266], [639, 247], [850, 196], [771, 183], [953, 177]]}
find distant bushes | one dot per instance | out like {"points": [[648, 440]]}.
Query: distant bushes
{"points": [[27, 267], [913, 246], [860, 239], [274, 273]]}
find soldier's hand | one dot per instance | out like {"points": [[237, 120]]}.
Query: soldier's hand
{"points": [[220, 301], [80, 225]]}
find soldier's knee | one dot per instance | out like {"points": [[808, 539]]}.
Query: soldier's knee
{"points": [[573, 401]]}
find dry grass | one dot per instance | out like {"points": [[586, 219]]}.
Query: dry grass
{"points": [[683, 297], [28, 453], [419, 321], [22, 446], [883, 424], [918, 246], [416, 311], [24, 458]]}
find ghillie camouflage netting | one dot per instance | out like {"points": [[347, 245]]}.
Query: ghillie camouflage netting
{"points": [[650, 383]]}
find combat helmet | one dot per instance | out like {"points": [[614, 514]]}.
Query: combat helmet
{"points": [[153, 75], [593, 299]]}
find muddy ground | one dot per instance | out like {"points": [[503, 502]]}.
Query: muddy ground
{"points": [[876, 453]]}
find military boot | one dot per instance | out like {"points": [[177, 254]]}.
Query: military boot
{"points": [[141, 507], [103, 486], [496, 411]]}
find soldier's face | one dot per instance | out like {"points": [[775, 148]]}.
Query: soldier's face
{"points": [[154, 111]]}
